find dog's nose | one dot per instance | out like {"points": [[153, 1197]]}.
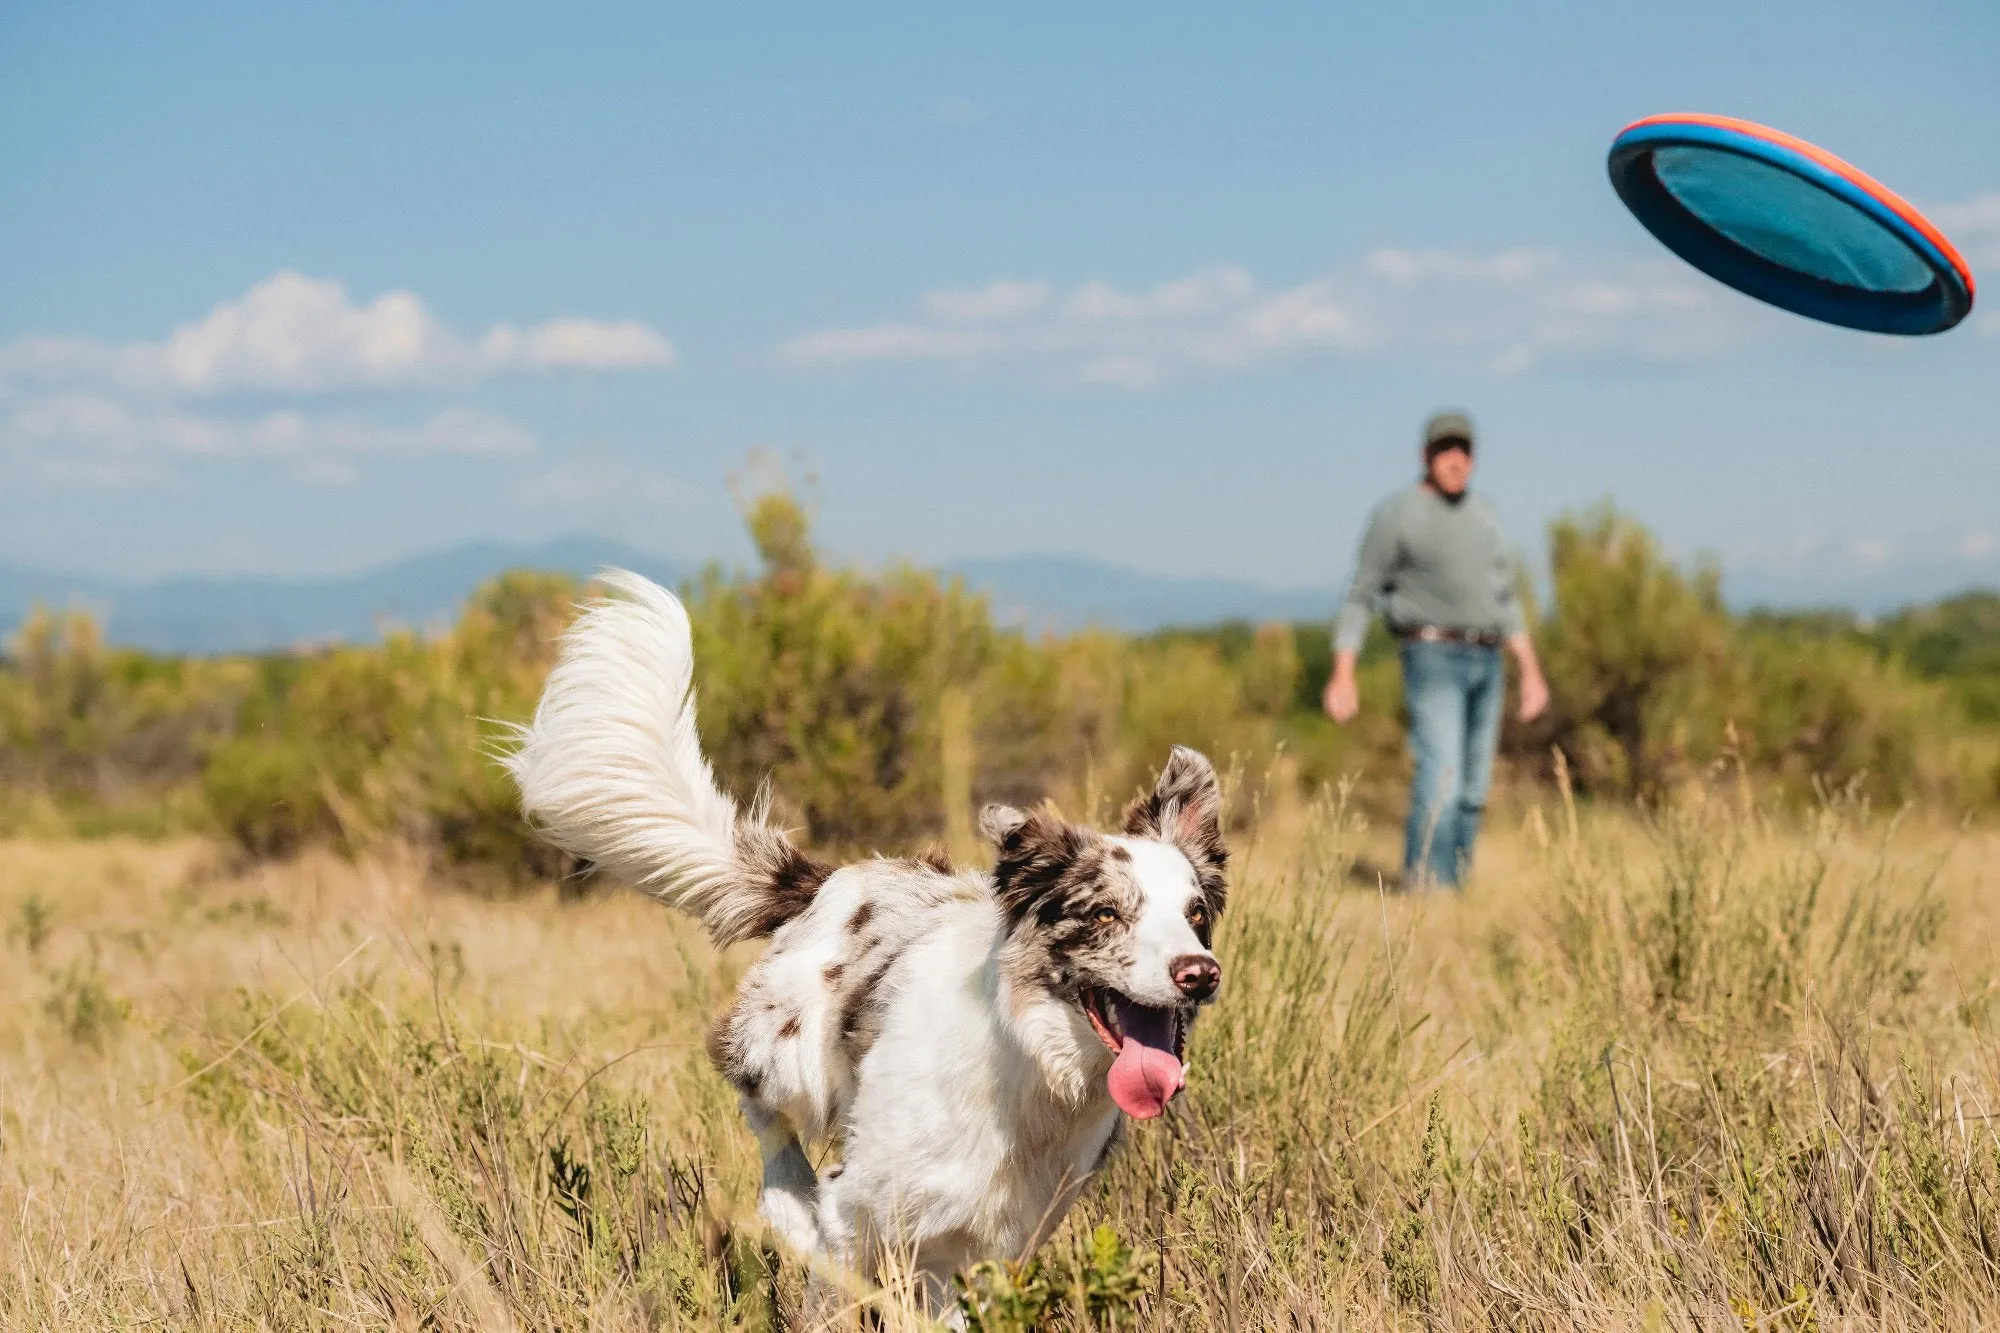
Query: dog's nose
{"points": [[1196, 974]]}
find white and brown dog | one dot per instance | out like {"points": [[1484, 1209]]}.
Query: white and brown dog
{"points": [[968, 1039]]}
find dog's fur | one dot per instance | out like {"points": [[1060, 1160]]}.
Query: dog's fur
{"points": [[934, 1022]]}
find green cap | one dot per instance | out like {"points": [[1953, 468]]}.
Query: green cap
{"points": [[1447, 426]]}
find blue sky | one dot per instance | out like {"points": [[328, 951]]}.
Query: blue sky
{"points": [[301, 288]]}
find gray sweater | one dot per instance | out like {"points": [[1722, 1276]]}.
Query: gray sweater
{"points": [[1426, 561]]}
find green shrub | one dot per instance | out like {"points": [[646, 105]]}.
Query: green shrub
{"points": [[1642, 677], [363, 745], [86, 726], [1833, 711], [829, 684], [1651, 680], [884, 707]]}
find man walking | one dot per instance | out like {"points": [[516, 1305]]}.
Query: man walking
{"points": [[1437, 566]]}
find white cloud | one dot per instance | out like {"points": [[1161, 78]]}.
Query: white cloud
{"points": [[1299, 318], [1655, 312], [890, 342], [1979, 217], [1974, 227], [1512, 310], [1859, 553], [1871, 552], [296, 334], [578, 344], [1197, 294], [90, 413], [90, 439], [1098, 334], [1121, 370], [997, 300], [1407, 267]]}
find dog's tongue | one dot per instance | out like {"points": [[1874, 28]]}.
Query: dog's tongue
{"points": [[1147, 1073]]}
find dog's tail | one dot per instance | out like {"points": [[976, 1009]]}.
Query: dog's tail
{"points": [[611, 770]]}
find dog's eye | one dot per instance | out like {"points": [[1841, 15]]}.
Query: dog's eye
{"points": [[1104, 916], [1197, 916]]}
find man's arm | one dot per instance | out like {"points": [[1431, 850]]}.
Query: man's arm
{"points": [[1372, 568], [1533, 685], [1534, 689], [1342, 699]]}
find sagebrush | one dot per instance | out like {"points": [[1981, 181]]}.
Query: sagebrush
{"points": [[884, 705]]}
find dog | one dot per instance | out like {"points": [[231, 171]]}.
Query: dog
{"points": [[969, 1040]]}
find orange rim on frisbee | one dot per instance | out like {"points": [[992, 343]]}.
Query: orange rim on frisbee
{"points": [[1791, 224]]}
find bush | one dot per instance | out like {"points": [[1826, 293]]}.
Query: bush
{"points": [[362, 745], [1835, 712], [1957, 642], [1638, 656], [884, 708], [1651, 680], [90, 729], [831, 685]]}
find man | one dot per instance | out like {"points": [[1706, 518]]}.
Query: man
{"points": [[1435, 563]]}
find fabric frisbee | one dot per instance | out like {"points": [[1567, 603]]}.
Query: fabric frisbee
{"points": [[1788, 223]]}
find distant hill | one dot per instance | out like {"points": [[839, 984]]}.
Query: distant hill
{"points": [[246, 614], [1067, 592], [233, 615], [1872, 592], [210, 615]]}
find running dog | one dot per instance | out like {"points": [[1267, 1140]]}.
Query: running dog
{"points": [[967, 1039]]}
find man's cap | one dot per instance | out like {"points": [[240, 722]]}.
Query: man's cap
{"points": [[1447, 426]]}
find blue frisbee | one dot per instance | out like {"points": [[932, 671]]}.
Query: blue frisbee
{"points": [[1791, 224]]}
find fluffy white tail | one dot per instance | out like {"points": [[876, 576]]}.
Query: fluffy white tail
{"points": [[611, 770]]}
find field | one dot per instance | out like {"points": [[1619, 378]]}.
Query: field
{"points": [[1716, 1066], [300, 1026]]}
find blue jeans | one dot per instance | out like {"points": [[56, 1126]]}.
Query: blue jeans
{"points": [[1454, 693]]}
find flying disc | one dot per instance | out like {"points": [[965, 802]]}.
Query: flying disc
{"points": [[1781, 220]]}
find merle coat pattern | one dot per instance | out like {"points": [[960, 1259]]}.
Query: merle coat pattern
{"points": [[952, 1031]]}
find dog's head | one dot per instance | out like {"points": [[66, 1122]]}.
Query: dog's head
{"points": [[1119, 925]]}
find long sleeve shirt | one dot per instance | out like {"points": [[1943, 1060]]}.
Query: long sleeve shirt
{"points": [[1427, 561]]}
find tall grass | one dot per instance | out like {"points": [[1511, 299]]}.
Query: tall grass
{"points": [[1712, 1067]]}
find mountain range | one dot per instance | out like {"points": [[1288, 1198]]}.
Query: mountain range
{"points": [[250, 614], [246, 614]]}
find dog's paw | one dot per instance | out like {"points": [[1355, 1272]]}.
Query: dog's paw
{"points": [[792, 1217]]}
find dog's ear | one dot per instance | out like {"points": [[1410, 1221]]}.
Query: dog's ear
{"points": [[1036, 852], [1184, 803], [997, 823], [1185, 809]]}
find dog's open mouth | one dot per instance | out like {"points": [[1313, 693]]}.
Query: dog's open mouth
{"points": [[1147, 1042]]}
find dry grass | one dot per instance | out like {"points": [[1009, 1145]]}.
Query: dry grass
{"points": [[1671, 1073]]}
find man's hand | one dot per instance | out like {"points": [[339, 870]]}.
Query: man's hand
{"points": [[1534, 687], [1534, 695], [1343, 696]]}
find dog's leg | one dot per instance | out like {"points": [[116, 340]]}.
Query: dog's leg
{"points": [[790, 1201], [840, 1263], [939, 1297], [936, 1265]]}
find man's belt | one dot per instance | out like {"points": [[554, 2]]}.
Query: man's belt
{"points": [[1485, 638]]}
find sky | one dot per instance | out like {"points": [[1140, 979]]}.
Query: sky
{"points": [[295, 289]]}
